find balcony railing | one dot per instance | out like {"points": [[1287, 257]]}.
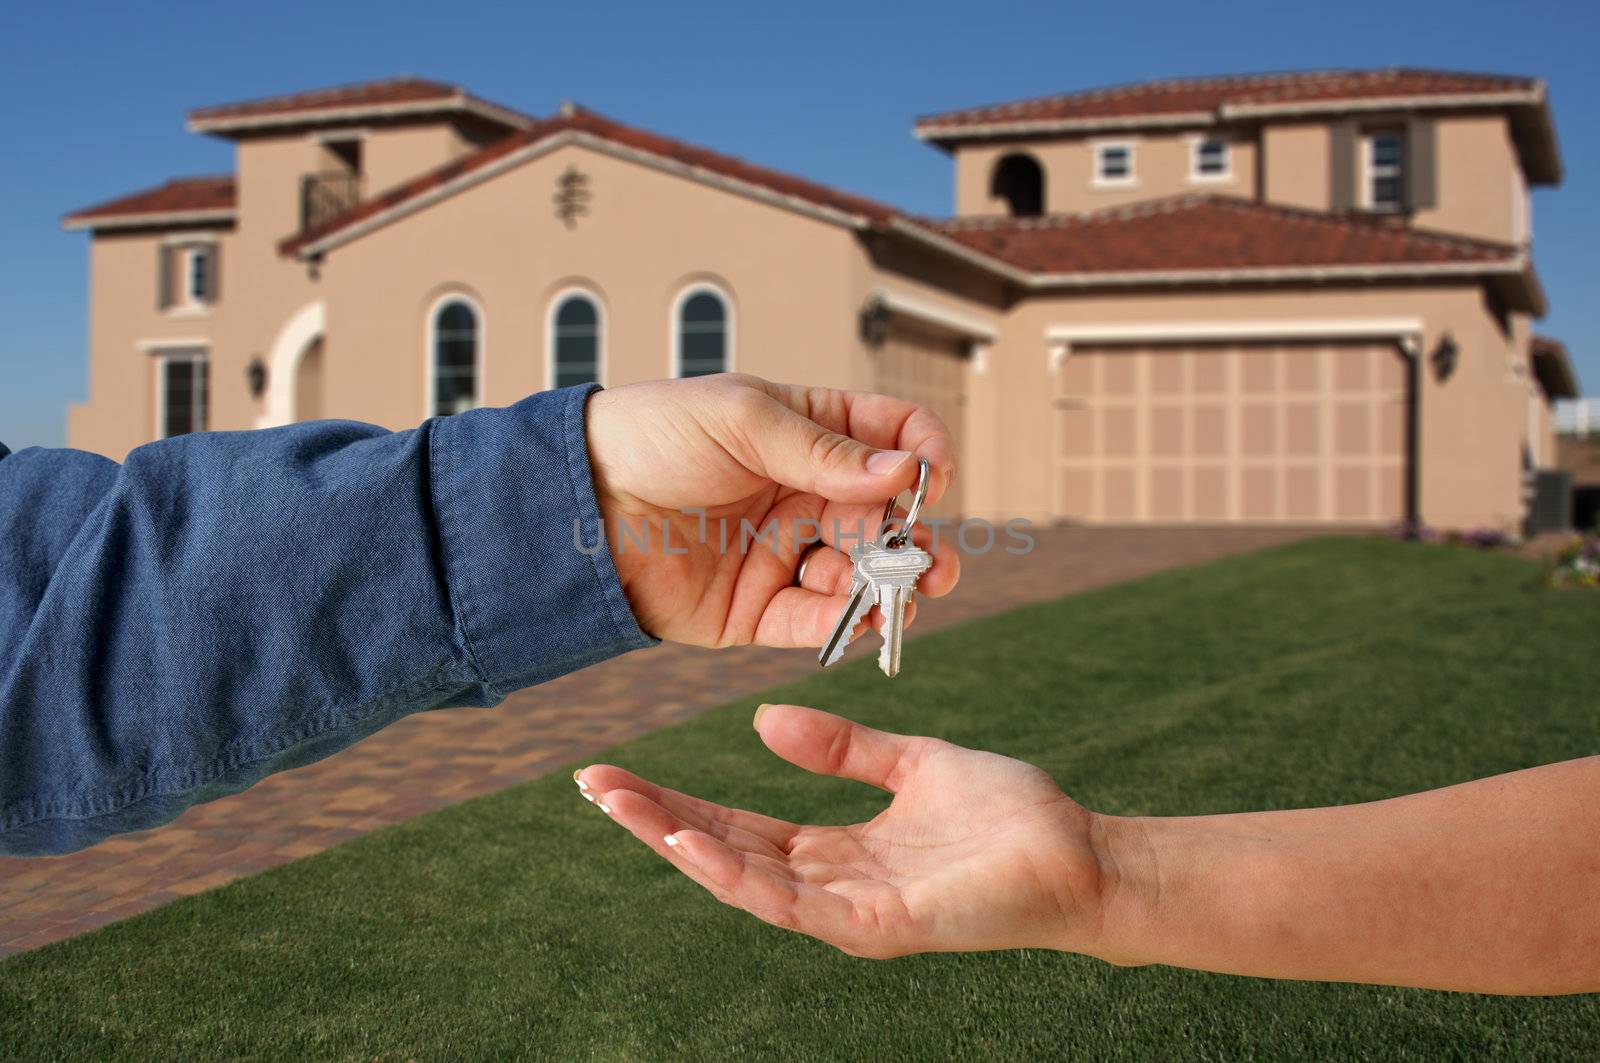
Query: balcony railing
{"points": [[326, 195]]}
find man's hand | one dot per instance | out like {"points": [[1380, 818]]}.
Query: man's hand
{"points": [[976, 851], [744, 456]]}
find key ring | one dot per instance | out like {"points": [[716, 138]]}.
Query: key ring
{"points": [[899, 539]]}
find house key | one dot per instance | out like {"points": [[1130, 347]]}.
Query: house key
{"points": [[885, 575]]}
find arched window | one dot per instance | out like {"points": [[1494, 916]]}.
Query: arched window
{"points": [[575, 341], [455, 357], [701, 332], [1019, 181]]}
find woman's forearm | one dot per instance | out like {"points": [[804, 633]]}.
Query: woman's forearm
{"points": [[1490, 886]]}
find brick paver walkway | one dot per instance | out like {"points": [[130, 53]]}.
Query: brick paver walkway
{"points": [[436, 759]]}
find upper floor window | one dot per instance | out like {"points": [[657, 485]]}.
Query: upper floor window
{"points": [[575, 335], [1019, 180], [1113, 164], [187, 275], [182, 391], [454, 347], [701, 332], [1385, 170], [1210, 161], [200, 260]]}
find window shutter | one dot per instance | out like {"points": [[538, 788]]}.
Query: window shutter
{"points": [[1422, 183], [1342, 167], [166, 263]]}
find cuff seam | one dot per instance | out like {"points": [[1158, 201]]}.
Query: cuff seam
{"points": [[579, 476], [457, 612]]}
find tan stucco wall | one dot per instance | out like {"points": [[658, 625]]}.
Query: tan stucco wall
{"points": [[795, 284], [1476, 166], [392, 155], [1472, 424], [1476, 172], [1161, 168], [1294, 165]]}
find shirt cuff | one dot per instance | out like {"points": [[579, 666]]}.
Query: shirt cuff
{"points": [[531, 582]]}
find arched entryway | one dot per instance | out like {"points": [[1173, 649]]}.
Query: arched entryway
{"points": [[296, 358]]}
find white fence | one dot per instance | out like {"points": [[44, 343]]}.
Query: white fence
{"points": [[1578, 417]]}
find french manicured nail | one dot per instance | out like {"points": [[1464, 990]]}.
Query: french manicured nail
{"points": [[886, 461], [671, 840], [756, 723], [604, 807]]}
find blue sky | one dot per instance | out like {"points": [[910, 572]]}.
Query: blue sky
{"points": [[94, 98]]}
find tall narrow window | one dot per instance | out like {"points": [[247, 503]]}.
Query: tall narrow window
{"points": [[702, 333], [200, 259], [1386, 171], [455, 358], [575, 341], [183, 391]]}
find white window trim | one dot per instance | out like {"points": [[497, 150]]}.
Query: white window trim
{"points": [[1368, 174], [429, 344], [177, 351], [1131, 180], [1195, 174], [684, 295], [602, 323]]}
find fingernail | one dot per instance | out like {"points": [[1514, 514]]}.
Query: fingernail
{"points": [[605, 808], [756, 723], [586, 796], [671, 840], [886, 461]]}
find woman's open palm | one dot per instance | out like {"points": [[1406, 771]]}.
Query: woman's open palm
{"points": [[976, 850]]}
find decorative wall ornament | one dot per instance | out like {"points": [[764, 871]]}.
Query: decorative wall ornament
{"points": [[572, 196]]}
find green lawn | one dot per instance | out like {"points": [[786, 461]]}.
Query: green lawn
{"points": [[526, 923]]}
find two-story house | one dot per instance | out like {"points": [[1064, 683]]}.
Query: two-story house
{"points": [[1293, 298]]}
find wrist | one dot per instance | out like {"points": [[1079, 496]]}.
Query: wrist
{"points": [[1129, 888], [1200, 892]]}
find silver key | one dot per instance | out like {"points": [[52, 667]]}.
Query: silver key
{"points": [[884, 574], [893, 573], [860, 604]]}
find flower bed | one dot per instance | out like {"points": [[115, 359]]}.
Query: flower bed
{"points": [[1578, 564]]}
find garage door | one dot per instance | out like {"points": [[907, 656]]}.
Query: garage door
{"points": [[1207, 433], [928, 366]]}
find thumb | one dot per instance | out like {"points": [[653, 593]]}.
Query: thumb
{"points": [[795, 451], [826, 744]]}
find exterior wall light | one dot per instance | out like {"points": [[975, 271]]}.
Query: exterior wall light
{"points": [[1444, 356], [874, 323], [255, 375]]}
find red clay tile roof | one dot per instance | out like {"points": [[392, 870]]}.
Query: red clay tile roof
{"points": [[582, 122], [1553, 368], [1208, 98], [1184, 234], [1208, 233], [206, 197], [408, 93]]}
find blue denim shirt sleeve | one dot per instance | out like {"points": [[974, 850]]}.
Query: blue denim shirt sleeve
{"points": [[227, 605]]}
